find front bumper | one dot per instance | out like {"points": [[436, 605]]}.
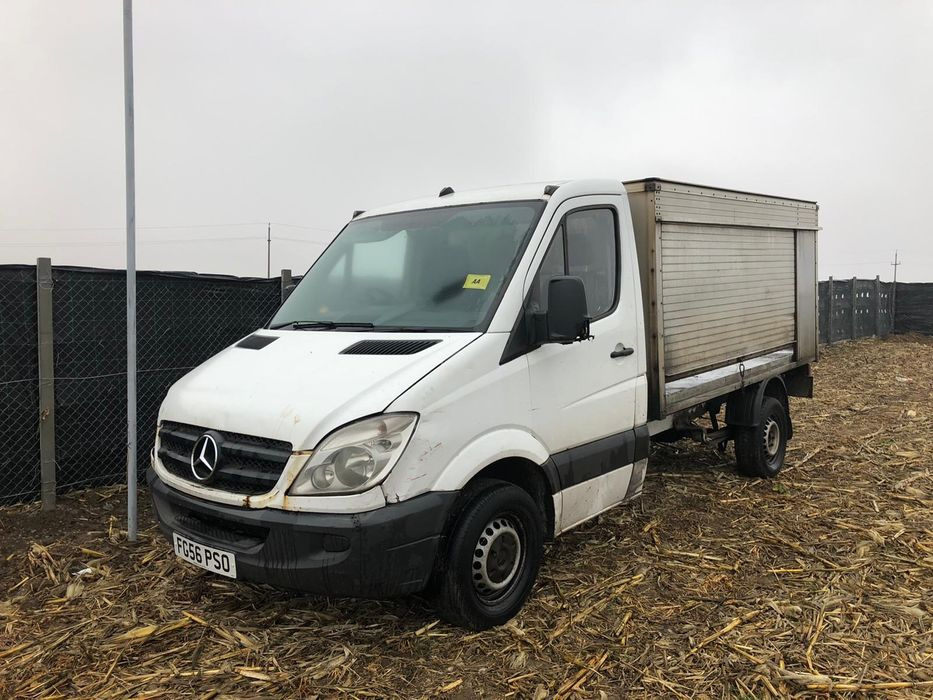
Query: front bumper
{"points": [[381, 553]]}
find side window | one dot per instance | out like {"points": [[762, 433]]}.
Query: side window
{"points": [[585, 245], [592, 256], [551, 266]]}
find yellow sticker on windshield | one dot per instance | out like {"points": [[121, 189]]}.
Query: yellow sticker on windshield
{"points": [[476, 281]]}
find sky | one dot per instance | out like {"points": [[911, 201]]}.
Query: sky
{"points": [[298, 113]]}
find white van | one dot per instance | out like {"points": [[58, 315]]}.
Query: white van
{"points": [[458, 379]]}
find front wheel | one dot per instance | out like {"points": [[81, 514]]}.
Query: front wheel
{"points": [[759, 451], [492, 558]]}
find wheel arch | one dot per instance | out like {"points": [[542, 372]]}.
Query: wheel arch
{"points": [[509, 454], [744, 407], [532, 478]]}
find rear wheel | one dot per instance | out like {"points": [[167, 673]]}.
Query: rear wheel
{"points": [[492, 559], [759, 450]]}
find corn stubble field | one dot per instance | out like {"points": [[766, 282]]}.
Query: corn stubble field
{"points": [[818, 583]]}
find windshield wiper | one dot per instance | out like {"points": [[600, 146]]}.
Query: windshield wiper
{"points": [[419, 329], [302, 325]]}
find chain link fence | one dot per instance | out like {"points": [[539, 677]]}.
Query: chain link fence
{"points": [[185, 318], [914, 306], [182, 320], [19, 384]]}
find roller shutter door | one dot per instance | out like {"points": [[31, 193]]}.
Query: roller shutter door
{"points": [[727, 292]]}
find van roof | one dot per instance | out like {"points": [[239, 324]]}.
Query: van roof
{"points": [[505, 193]]}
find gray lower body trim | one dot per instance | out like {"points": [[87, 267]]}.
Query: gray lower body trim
{"points": [[593, 459], [637, 480]]}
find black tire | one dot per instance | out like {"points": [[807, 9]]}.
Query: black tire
{"points": [[492, 557], [759, 451]]}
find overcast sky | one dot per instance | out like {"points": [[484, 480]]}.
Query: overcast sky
{"points": [[300, 112]]}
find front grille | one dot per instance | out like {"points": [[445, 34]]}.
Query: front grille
{"points": [[248, 464], [219, 530]]}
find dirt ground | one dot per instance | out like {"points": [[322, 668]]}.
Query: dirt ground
{"points": [[711, 586]]}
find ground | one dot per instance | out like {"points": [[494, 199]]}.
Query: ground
{"points": [[817, 583]]}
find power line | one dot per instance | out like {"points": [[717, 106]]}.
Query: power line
{"points": [[94, 244], [33, 229], [91, 244], [121, 228], [310, 228], [300, 240], [846, 262]]}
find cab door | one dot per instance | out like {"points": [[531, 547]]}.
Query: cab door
{"points": [[583, 395]]}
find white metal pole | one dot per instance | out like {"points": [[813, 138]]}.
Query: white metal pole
{"points": [[130, 271]]}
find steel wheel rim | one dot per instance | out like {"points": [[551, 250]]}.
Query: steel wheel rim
{"points": [[497, 558], [772, 438]]}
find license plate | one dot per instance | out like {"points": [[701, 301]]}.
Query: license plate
{"points": [[216, 560]]}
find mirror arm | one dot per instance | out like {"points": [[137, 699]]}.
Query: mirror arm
{"points": [[538, 331], [537, 328]]}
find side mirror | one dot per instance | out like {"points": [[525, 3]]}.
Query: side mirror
{"points": [[566, 310]]}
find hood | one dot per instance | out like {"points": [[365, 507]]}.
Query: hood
{"points": [[301, 385]]}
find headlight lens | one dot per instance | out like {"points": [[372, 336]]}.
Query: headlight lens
{"points": [[355, 457]]}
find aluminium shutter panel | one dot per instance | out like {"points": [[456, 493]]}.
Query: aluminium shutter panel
{"points": [[728, 292]]}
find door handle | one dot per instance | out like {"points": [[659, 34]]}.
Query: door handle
{"points": [[621, 351]]}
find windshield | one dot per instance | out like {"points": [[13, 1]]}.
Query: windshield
{"points": [[434, 269]]}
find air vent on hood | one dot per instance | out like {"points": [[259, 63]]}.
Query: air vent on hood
{"points": [[388, 347], [256, 341]]}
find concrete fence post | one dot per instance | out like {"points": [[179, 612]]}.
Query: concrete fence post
{"points": [[286, 282], [46, 383], [831, 310], [854, 327]]}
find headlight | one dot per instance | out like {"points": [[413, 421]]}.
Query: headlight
{"points": [[355, 457]]}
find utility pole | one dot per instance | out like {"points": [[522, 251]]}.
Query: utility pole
{"points": [[129, 133], [894, 287], [269, 250]]}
